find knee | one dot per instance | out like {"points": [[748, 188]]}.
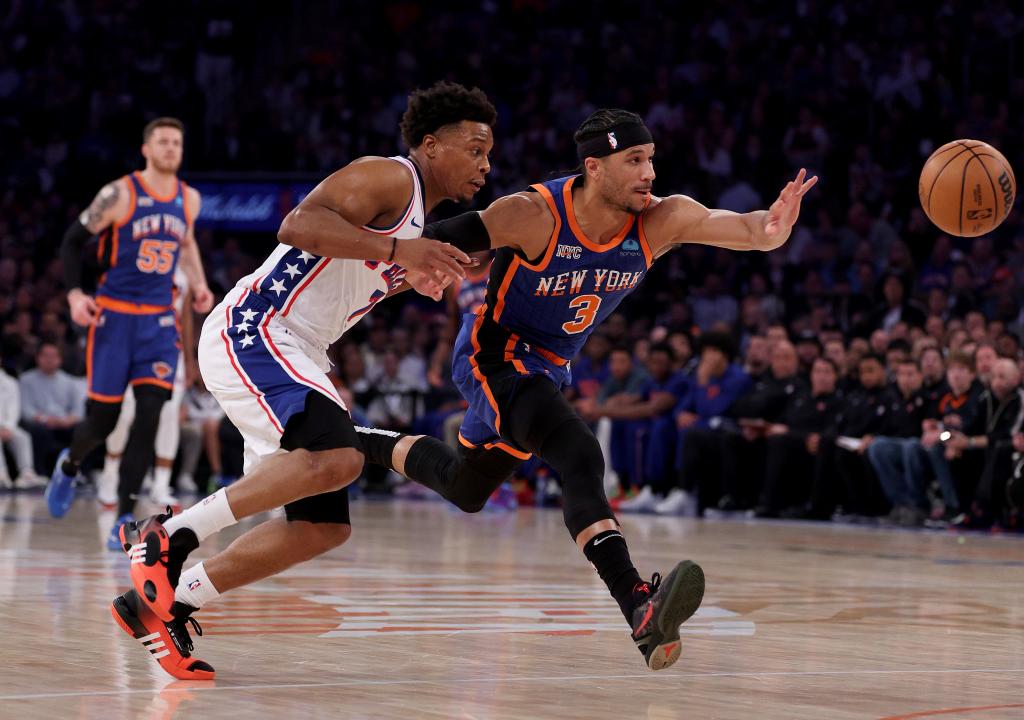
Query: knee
{"points": [[470, 504], [580, 459], [319, 538], [332, 470]]}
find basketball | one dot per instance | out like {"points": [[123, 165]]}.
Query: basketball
{"points": [[967, 188]]}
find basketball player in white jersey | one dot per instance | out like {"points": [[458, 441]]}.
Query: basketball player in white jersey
{"points": [[168, 431], [352, 241]]}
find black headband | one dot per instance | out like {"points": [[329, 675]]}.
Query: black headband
{"points": [[616, 139]]}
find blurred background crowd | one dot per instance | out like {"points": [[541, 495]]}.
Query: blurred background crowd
{"points": [[870, 368]]}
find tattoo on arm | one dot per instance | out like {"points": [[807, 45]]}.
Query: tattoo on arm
{"points": [[105, 199]]}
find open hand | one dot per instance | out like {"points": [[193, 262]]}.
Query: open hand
{"points": [[783, 213]]}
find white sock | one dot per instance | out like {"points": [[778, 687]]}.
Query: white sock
{"points": [[161, 481], [204, 518], [194, 587], [112, 466]]}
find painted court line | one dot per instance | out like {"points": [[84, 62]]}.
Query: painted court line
{"points": [[198, 687]]}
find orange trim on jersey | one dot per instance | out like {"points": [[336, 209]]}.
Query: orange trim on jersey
{"points": [[481, 378], [104, 398], [158, 198], [90, 339], [510, 348], [504, 447], [509, 449], [553, 240], [548, 355], [570, 214], [115, 229], [499, 306], [644, 245], [152, 381], [130, 308]]}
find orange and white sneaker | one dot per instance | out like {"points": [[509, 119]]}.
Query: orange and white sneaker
{"points": [[156, 560], [665, 605], [168, 642]]}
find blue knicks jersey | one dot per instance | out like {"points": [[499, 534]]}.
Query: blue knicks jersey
{"points": [[140, 251], [472, 294], [557, 301]]}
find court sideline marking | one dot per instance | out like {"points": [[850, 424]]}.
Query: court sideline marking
{"points": [[198, 687]]}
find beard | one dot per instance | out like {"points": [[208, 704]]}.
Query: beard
{"points": [[171, 168]]}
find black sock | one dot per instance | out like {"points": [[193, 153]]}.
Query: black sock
{"points": [[379, 445], [429, 461], [608, 553], [69, 468]]}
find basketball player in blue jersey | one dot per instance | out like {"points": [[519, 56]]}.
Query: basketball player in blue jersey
{"points": [[568, 252], [145, 222], [354, 240]]}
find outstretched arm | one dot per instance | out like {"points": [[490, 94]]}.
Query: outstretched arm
{"points": [[329, 221], [680, 219]]}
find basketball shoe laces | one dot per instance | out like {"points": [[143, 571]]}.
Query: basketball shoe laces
{"points": [[648, 588], [642, 593], [179, 633]]}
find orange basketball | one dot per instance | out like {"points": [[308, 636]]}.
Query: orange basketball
{"points": [[967, 188]]}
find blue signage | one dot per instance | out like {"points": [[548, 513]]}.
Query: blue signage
{"points": [[248, 206]]}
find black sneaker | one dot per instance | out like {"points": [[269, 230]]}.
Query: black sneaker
{"points": [[668, 604]]}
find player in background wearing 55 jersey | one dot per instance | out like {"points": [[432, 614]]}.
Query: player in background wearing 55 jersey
{"points": [[145, 222]]}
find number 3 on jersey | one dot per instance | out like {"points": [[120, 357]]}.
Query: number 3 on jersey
{"points": [[586, 310], [156, 256]]}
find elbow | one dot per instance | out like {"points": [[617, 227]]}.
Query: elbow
{"points": [[290, 232], [286, 234]]}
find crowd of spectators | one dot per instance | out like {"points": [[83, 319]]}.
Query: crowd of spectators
{"points": [[717, 353]]}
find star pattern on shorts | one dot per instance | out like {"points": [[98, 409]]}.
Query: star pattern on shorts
{"points": [[246, 341]]}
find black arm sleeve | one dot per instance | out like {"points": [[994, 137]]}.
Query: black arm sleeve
{"points": [[467, 232], [71, 253]]}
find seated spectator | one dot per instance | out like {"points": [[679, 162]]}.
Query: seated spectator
{"points": [[808, 349], [933, 375], [992, 430], [14, 439], [792, 443], [955, 410], [896, 306], [841, 463], [396, 400], [741, 446], [624, 386], [715, 386], [644, 430], [896, 441], [984, 360], [52, 403]]}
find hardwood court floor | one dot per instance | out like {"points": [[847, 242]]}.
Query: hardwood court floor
{"points": [[427, 613]]}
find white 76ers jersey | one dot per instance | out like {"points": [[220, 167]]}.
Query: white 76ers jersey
{"points": [[319, 298]]}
